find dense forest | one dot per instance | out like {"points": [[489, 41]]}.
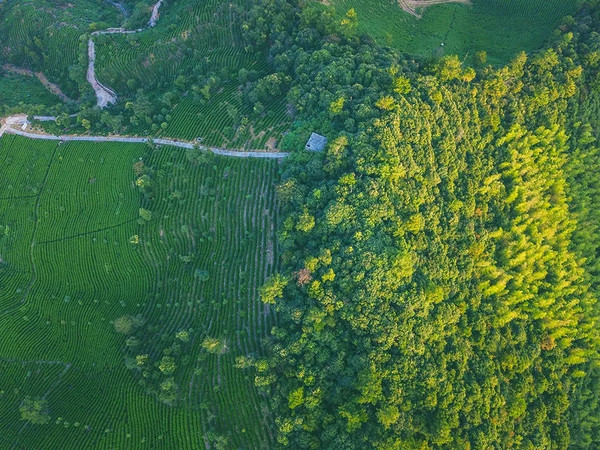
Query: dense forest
{"points": [[440, 258]]}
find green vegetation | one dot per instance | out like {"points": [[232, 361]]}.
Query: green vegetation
{"points": [[21, 93], [187, 77], [440, 257], [436, 273], [502, 28], [191, 76], [125, 334], [44, 35], [35, 411]]}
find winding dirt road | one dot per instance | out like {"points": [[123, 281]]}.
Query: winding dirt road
{"points": [[105, 95]]}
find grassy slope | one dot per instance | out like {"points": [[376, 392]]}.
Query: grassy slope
{"points": [[500, 27], [85, 273]]}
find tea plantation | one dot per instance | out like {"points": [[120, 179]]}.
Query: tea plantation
{"points": [[191, 64], [502, 28], [128, 288]]}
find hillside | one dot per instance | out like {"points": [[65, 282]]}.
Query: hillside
{"points": [[80, 260], [440, 258], [189, 75], [501, 28], [177, 269]]}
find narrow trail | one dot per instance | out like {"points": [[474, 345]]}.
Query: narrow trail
{"points": [[21, 121], [104, 94], [37, 361], [67, 366], [52, 87]]}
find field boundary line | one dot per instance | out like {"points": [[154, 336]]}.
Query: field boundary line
{"points": [[52, 386], [99, 230], [33, 361], [67, 366], [17, 197], [33, 233]]}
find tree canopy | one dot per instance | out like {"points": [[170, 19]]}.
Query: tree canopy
{"points": [[440, 256]]}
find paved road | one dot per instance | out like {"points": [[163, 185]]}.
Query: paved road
{"points": [[20, 120]]}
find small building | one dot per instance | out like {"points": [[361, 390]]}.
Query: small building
{"points": [[316, 143]]}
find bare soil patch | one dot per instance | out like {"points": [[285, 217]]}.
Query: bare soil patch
{"points": [[415, 7], [40, 76], [271, 144]]}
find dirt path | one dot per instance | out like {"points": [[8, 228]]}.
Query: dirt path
{"points": [[414, 6], [119, 6], [16, 124], [40, 76], [105, 95], [154, 17]]}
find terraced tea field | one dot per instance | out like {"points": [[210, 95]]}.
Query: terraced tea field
{"points": [[195, 36], [85, 243], [201, 40], [212, 122], [43, 36], [500, 27]]}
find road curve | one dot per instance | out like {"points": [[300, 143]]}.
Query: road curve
{"points": [[105, 95]]}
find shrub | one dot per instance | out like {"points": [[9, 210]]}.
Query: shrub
{"points": [[167, 365], [124, 325], [145, 214], [35, 410]]}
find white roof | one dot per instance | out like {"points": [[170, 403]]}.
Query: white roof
{"points": [[316, 143]]}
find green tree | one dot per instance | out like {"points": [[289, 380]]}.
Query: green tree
{"points": [[35, 410], [296, 398], [124, 325], [145, 214], [350, 21], [167, 365], [386, 103], [306, 222], [273, 288], [337, 106]]}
